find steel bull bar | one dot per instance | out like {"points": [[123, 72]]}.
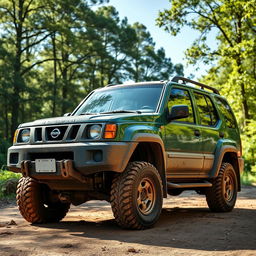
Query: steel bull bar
{"points": [[66, 168]]}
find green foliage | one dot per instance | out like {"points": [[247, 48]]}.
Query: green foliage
{"points": [[8, 182], [3, 152], [248, 178], [249, 146], [232, 23]]}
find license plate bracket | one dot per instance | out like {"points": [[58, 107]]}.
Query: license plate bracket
{"points": [[45, 165]]}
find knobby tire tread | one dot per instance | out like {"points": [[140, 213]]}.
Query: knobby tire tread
{"points": [[121, 195], [31, 206], [214, 196]]}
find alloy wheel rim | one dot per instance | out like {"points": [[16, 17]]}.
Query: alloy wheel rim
{"points": [[146, 196], [228, 188]]}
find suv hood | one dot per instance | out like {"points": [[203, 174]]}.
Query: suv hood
{"points": [[144, 117]]}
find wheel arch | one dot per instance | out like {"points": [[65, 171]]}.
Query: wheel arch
{"points": [[227, 154], [150, 148], [231, 157]]}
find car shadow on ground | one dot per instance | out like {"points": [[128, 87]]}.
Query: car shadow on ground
{"points": [[187, 228]]}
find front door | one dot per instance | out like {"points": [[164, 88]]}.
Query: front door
{"points": [[183, 139]]}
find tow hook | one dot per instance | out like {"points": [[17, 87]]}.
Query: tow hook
{"points": [[65, 197]]}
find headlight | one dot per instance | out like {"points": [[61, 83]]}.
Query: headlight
{"points": [[94, 131], [25, 135]]}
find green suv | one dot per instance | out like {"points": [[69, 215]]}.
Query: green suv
{"points": [[131, 145]]}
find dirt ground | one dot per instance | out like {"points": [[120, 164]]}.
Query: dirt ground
{"points": [[186, 227]]}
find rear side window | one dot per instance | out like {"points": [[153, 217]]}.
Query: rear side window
{"points": [[181, 97], [207, 112], [226, 111]]}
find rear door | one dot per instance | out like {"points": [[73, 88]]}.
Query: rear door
{"points": [[210, 126], [183, 139]]}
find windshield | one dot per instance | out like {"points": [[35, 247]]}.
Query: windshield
{"points": [[135, 98]]}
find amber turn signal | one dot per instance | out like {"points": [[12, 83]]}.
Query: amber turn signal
{"points": [[15, 136], [110, 131]]}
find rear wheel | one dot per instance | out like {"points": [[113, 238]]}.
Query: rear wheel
{"points": [[35, 204], [137, 196], [221, 197]]}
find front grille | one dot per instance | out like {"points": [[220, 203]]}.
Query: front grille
{"points": [[56, 155], [73, 132], [60, 133], [38, 134], [55, 133]]}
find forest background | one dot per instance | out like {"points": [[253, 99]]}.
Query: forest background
{"points": [[54, 52]]}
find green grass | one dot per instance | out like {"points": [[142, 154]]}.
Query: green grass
{"points": [[6, 176], [248, 178]]}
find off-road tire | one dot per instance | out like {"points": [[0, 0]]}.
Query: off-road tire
{"points": [[138, 180], [34, 205], [221, 197]]}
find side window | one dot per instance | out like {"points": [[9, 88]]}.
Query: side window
{"points": [[181, 97], [225, 109], [207, 112], [212, 111]]}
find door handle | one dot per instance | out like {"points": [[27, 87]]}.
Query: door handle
{"points": [[197, 133]]}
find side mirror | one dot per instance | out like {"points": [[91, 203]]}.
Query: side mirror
{"points": [[178, 112], [67, 114]]}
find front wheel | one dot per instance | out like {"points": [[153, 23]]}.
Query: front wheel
{"points": [[35, 204], [137, 196], [221, 197]]}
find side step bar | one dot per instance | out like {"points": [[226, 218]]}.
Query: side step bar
{"points": [[205, 184]]}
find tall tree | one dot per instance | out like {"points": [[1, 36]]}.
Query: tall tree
{"points": [[146, 62], [117, 38], [232, 21], [5, 91], [21, 33]]}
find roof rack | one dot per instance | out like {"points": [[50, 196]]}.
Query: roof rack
{"points": [[176, 79], [134, 83]]}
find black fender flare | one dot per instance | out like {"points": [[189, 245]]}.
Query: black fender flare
{"points": [[155, 138], [219, 157]]}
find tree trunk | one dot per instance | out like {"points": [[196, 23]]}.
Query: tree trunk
{"points": [[64, 90], [6, 119], [54, 74], [243, 91], [17, 79]]}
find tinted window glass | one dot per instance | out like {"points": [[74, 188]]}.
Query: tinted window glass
{"points": [[207, 112], [225, 109], [143, 98], [212, 110], [181, 97]]}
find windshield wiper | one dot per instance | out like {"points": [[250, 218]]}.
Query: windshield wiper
{"points": [[122, 111], [87, 113]]}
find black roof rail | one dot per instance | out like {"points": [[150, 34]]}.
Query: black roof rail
{"points": [[133, 83], [176, 79]]}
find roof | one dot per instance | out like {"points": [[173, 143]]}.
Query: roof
{"points": [[175, 79]]}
